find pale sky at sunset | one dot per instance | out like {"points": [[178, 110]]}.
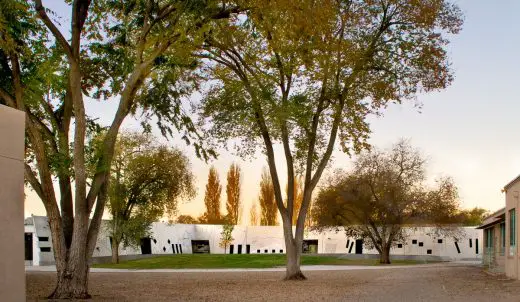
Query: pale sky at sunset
{"points": [[469, 131]]}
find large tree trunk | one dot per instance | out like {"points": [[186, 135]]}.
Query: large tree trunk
{"points": [[293, 248], [115, 251], [384, 257], [72, 282]]}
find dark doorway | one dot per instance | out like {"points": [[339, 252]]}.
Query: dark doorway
{"points": [[146, 246], [359, 246], [28, 246], [239, 249], [200, 246], [231, 249], [248, 249], [310, 247]]}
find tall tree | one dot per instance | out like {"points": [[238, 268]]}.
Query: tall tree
{"points": [[472, 217], [212, 199], [384, 192], [146, 66], [266, 199], [233, 194], [253, 214], [147, 182], [303, 74]]}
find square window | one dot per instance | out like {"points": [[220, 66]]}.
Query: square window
{"points": [[439, 240], [273, 251], [429, 252], [266, 251], [45, 249], [414, 241], [281, 251], [258, 251], [421, 244], [43, 238], [400, 246]]}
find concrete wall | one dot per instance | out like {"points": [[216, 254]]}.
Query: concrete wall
{"points": [[12, 273], [512, 204]]}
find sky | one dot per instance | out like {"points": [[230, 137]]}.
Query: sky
{"points": [[468, 131]]}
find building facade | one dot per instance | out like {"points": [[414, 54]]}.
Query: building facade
{"points": [[196, 238], [500, 232]]}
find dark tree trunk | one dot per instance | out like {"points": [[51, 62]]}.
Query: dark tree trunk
{"points": [[384, 257], [115, 251]]}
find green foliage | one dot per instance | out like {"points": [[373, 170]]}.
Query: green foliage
{"points": [[212, 199], [472, 217], [147, 181]]}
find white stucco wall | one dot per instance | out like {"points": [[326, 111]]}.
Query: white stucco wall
{"points": [[262, 238]]}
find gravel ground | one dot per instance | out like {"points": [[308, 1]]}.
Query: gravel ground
{"points": [[436, 283]]}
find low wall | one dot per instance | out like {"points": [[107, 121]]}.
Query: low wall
{"points": [[108, 259]]}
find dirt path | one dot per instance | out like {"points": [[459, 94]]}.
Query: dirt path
{"points": [[403, 284]]}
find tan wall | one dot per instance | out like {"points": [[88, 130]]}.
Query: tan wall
{"points": [[12, 271], [512, 257]]}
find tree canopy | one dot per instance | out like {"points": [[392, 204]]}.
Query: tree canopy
{"points": [[303, 74], [385, 191], [147, 181]]}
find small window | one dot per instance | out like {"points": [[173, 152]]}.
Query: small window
{"points": [[439, 240], [421, 244], [273, 251], [429, 252], [470, 242], [414, 241], [281, 251], [399, 245], [164, 249], [169, 241], [43, 238], [45, 249], [258, 251], [266, 251]]}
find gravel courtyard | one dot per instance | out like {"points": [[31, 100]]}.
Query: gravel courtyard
{"points": [[436, 283]]}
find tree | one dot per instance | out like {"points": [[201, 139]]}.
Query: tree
{"points": [[384, 192], [147, 181], [186, 219], [253, 215], [146, 66], [266, 199], [233, 194], [212, 199], [303, 74], [226, 236], [472, 217]]}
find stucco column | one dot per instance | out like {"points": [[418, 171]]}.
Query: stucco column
{"points": [[12, 270]]}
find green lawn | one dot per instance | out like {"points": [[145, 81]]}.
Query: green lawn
{"points": [[238, 261]]}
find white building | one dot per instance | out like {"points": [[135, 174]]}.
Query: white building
{"points": [[195, 238]]}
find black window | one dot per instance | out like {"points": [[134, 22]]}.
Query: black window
{"points": [[281, 251], [399, 245], [439, 240], [45, 249], [266, 251], [414, 241], [43, 238], [429, 252], [470, 242], [248, 249], [421, 244], [239, 249], [273, 251], [231, 249], [258, 251]]}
